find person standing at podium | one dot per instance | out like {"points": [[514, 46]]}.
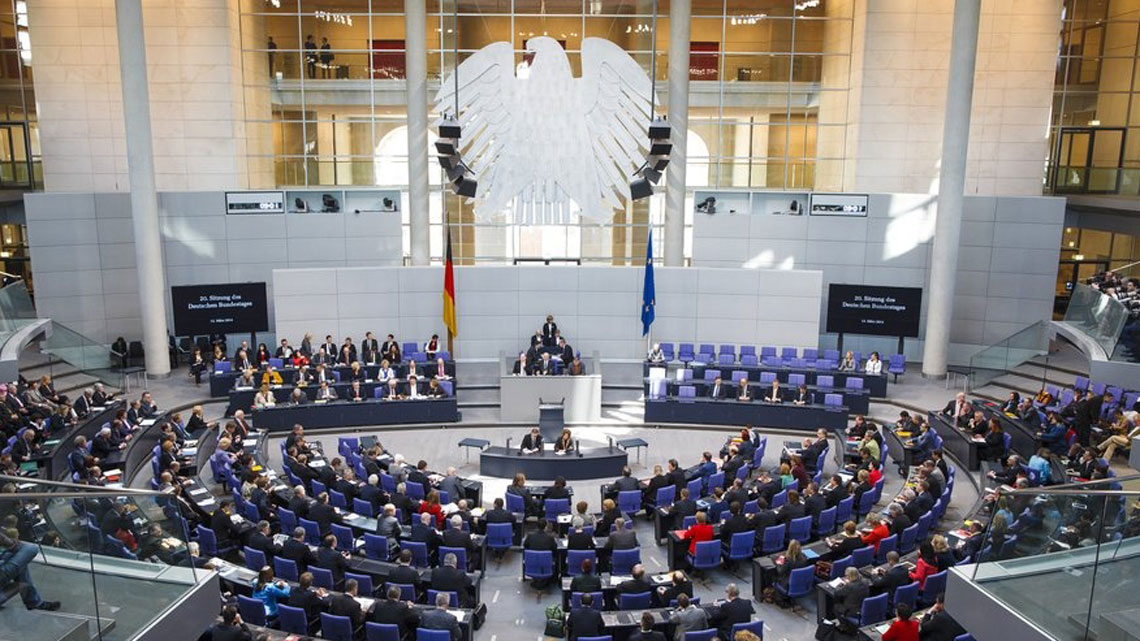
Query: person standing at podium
{"points": [[549, 331], [531, 443], [565, 442]]}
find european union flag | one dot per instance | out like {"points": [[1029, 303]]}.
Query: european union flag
{"points": [[649, 292]]}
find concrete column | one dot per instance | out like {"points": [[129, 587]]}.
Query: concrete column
{"points": [[415, 42], [951, 184], [680, 12], [144, 199]]}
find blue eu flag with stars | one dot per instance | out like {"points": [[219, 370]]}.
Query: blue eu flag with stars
{"points": [[648, 294]]}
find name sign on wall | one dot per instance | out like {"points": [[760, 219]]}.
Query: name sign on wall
{"points": [[229, 308], [838, 205], [255, 202], [871, 309]]}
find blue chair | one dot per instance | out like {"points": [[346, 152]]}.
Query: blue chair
{"points": [[635, 601], [336, 628], [725, 359], [338, 500], [897, 365], [873, 610], [863, 556], [749, 360], [576, 600], [629, 502], [252, 610], [318, 487], [312, 531], [574, 560], [843, 510], [800, 529], [666, 495], [407, 590], [825, 381], [292, 620], [688, 522], [755, 627], [668, 352], [908, 539], [907, 594], [800, 583], [515, 503], [555, 507], [964, 637], [452, 596], [766, 378], [854, 383], [362, 507], [739, 547], [419, 552], [924, 525], [376, 547], [712, 374], [826, 523], [685, 352], [460, 556], [423, 634], [254, 559], [773, 540], [322, 577], [115, 547], [415, 490], [209, 542], [839, 567], [345, 541], [701, 635], [751, 507], [538, 564], [363, 581], [687, 393], [624, 560], [500, 536], [833, 400], [285, 569], [715, 481], [604, 637], [886, 546], [381, 631], [707, 556], [935, 585]]}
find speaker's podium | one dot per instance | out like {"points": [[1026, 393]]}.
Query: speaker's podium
{"points": [[551, 419], [522, 398]]}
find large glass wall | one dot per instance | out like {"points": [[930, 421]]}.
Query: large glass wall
{"points": [[1095, 133], [768, 99], [19, 135]]}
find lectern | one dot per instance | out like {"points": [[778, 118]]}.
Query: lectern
{"points": [[551, 419]]}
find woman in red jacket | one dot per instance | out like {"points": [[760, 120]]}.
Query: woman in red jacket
{"points": [[926, 566], [700, 531], [903, 628], [878, 531], [431, 505]]}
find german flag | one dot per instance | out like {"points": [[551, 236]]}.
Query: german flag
{"points": [[449, 291]]}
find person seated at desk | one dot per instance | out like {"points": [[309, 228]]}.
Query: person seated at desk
{"points": [[522, 366], [584, 621], [264, 398], [877, 532], [269, 591], [246, 380], [386, 373], [347, 353], [802, 395], [743, 391], [994, 448], [369, 348], [435, 390], [324, 375], [565, 352], [1120, 435], [904, 627], [849, 596], [449, 578], [923, 442], [576, 366], [565, 442], [542, 540], [271, 377], [656, 354], [326, 393], [440, 372], [698, 532], [621, 538], [1028, 413], [645, 631], [392, 393], [586, 581], [355, 393], [610, 513], [230, 628], [430, 505], [847, 541], [848, 363], [624, 483], [241, 361], [440, 618], [298, 397], [393, 611], [958, 411], [531, 443], [544, 367], [874, 366], [926, 566], [775, 393], [518, 488], [717, 391], [582, 511], [687, 618], [390, 349], [637, 583], [578, 538], [938, 625], [357, 373], [304, 376], [321, 358], [262, 356]]}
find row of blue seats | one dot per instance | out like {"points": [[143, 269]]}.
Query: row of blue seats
{"points": [[823, 381]]}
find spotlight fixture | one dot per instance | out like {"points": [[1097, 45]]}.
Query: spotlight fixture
{"points": [[462, 179], [649, 173]]}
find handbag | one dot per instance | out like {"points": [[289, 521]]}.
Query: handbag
{"points": [[823, 570], [826, 632]]}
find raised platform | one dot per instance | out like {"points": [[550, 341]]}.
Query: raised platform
{"points": [[756, 413], [593, 463], [350, 414], [519, 397]]}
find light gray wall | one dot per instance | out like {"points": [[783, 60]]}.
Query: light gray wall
{"points": [[83, 256], [1007, 263], [597, 308]]}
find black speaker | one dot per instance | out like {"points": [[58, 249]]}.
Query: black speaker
{"points": [[659, 130], [466, 187], [650, 174], [640, 188], [659, 163], [660, 148], [449, 128], [455, 173], [445, 147]]}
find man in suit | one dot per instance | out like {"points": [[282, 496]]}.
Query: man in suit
{"points": [[646, 632], [893, 576], [733, 464], [743, 393], [323, 513], [637, 583], [523, 366], [296, 551], [440, 618], [938, 625], [299, 504], [449, 578], [676, 475], [814, 503], [687, 618], [370, 348], [326, 393], [330, 558], [532, 442], [372, 493], [735, 523], [621, 538], [578, 538], [685, 506], [225, 530], [586, 581], [231, 627], [312, 601], [549, 330], [849, 597], [346, 605], [679, 585], [423, 531], [84, 403], [455, 537], [625, 482], [545, 367], [733, 610], [393, 611], [958, 410], [585, 621], [899, 520], [973, 543], [389, 347], [565, 352], [261, 540], [835, 491], [717, 390], [541, 539], [921, 503], [404, 573]]}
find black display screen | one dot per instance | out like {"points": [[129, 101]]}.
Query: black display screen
{"points": [[228, 308], [873, 309]]}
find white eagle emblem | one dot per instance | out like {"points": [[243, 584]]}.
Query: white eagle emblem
{"points": [[538, 142]]}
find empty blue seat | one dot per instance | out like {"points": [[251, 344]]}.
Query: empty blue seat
{"points": [[322, 578], [500, 536], [749, 360], [419, 552], [336, 628], [687, 393], [624, 560], [538, 564], [252, 610], [707, 556], [773, 540], [766, 378], [711, 374], [800, 529], [292, 620], [833, 400], [381, 631], [854, 383], [635, 600]]}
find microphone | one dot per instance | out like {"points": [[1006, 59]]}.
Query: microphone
{"points": [[578, 447], [508, 443], [611, 440]]}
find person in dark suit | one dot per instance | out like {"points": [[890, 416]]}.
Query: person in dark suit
{"points": [[802, 396], [346, 605], [814, 503], [973, 543], [579, 538], [646, 632], [775, 393], [449, 578], [393, 611], [260, 540], [312, 601], [586, 581], [323, 513], [621, 538], [531, 443], [920, 504], [625, 482], [736, 522], [585, 621], [849, 541], [542, 539], [892, 577], [676, 474], [404, 573], [558, 490], [455, 537], [565, 352], [637, 583], [549, 331], [938, 625], [225, 530], [743, 391], [545, 367], [717, 390], [423, 531], [793, 509], [330, 558], [679, 585], [299, 504], [899, 520], [296, 551], [732, 610], [849, 597], [685, 506], [231, 627], [440, 618]]}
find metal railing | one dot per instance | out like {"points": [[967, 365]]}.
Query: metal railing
{"points": [[997, 359]]}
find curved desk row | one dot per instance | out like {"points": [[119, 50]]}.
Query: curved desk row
{"points": [[350, 414], [756, 413], [856, 401], [876, 384], [242, 398], [592, 463], [222, 382]]}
